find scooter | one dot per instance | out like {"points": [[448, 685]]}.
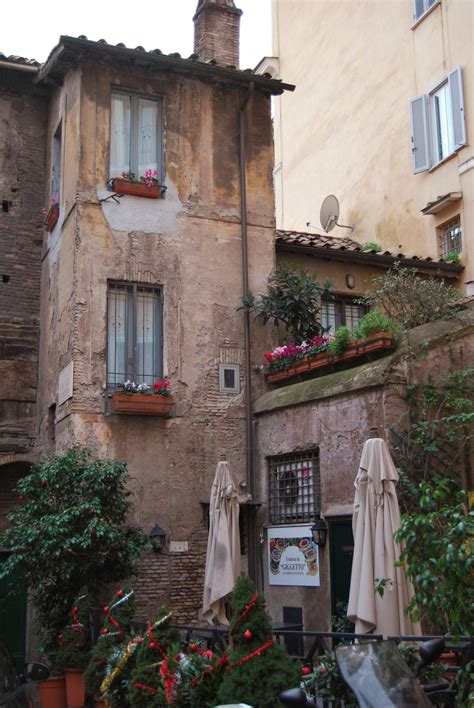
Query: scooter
{"points": [[378, 676]]}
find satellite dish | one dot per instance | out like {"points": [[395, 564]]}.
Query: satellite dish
{"points": [[329, 213]]}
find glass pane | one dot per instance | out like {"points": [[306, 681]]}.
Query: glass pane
{"points": [[443, 122], [147, 135], [353, 315], [117, 335], [229, 378], [331, 316], [119, 135], [146, 335]]}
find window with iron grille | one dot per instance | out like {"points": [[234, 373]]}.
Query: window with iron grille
{"points": [[294, 487], [340, 311], [450, 237], [134, 334]]}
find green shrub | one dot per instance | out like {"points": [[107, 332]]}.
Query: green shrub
{"points": [[74, 642], [411, 299], [373, 322], [293, 299], [371, 246], [341, 341], [451, 257]]}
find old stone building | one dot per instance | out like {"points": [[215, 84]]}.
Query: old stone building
{"points": [[138, 288]]}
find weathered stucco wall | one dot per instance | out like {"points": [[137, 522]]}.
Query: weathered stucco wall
{"points": [[335, 413], [346, 129], [190, 245]]}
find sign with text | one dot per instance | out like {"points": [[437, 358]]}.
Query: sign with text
{"points": [[293, 557]]}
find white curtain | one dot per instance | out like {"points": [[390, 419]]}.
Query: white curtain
{"points": [[120, 135]]}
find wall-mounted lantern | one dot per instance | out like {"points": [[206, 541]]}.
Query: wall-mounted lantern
{"points": [[157, 538], [319, 531]]}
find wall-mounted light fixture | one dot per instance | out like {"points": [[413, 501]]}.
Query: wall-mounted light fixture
{"points": [[350, 281], [319, 531], [157, 538]]}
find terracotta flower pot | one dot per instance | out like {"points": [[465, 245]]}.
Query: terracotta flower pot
{"points": [[142, 404], [53, 692], [137, 189], [75, 688], [51, 218], [99, 702]]}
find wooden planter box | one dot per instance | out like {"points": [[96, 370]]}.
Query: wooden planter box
{"points": [[137, 189], [142, 404], [377, 343], [51, 218]]}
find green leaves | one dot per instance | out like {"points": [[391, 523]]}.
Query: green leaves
{"points": [[293, 299], [68, 530]]}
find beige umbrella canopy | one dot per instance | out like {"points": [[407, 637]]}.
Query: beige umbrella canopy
{"points": [[376, 518], [223, 545]]}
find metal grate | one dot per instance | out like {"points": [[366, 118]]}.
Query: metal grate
{"points": [[294, 487], [134, 334], [450, 237]]}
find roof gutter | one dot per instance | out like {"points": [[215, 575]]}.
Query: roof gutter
{"points": [[18, 67]]}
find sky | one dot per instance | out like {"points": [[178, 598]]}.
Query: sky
{"points": [[30, 28]]}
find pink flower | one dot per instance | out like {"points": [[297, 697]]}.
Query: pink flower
{"points": [[155, 173]]}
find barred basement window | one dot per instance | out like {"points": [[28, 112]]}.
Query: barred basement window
{"points": [[450, 237], [294, 487], [134, 334]]}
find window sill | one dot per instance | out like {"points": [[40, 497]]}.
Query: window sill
{"points": [[444, 160], [425, 14]]}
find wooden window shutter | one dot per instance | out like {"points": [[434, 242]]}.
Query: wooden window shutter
{"points": [[457, 102], [419, 134]]}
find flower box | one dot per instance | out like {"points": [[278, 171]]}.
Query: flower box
{"points": [[51, 218], [137, 189], [142, 404], [376, 344]]}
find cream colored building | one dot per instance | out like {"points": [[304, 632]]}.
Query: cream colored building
{"points": [[382, 117]]}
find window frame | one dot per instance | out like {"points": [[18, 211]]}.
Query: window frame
{"points": [[343, 299], [222, 386], [131, 308], [135, 96], [427, 8], [425, 124], [443, 234], [290, 463]]}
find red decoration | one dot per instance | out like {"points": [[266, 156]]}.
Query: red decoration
{"points": [[120, 593], [21, 498], [105, 630], [146, 688], [306, 670], [247, 609], [43, 483], [257, 652], [106, 609], [193, 647], [248, 634], [152, 645]]}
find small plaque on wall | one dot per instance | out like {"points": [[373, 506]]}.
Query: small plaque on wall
{"points": [[179, 546], [293, 557], [65, 383]]}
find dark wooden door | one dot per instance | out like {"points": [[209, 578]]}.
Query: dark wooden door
{"points": [[13, 616], [341, 548]]}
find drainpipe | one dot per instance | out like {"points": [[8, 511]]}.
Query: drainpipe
{"points": [[248, 373]]}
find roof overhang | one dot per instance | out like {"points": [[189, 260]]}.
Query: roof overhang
{"points": [[441, 203], [71, 50], [376, 260]]}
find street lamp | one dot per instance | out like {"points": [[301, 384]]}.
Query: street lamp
{"points": [[157, 538], [319, 531]]}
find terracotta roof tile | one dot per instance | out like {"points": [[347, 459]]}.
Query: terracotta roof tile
{"points": [[340, 246], [13, 59]]}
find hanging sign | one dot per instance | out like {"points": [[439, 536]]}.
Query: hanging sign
{"points": [[293, 557]]}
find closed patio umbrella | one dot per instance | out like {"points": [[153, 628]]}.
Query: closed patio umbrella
{"points": [[223, 546], [375, 519]]}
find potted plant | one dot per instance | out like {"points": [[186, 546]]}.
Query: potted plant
{"points": [[68, 530], [52, 692], [143, 399], [52, 215], [147, 185], [74, 648]]}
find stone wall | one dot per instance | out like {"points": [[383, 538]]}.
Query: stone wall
{"points": [[335, 413], [22, 197]]}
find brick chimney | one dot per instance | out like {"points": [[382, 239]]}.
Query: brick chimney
{"points": [[216, 31]]}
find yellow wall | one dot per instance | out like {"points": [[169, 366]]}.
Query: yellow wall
{"points": [[346, 129]]}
